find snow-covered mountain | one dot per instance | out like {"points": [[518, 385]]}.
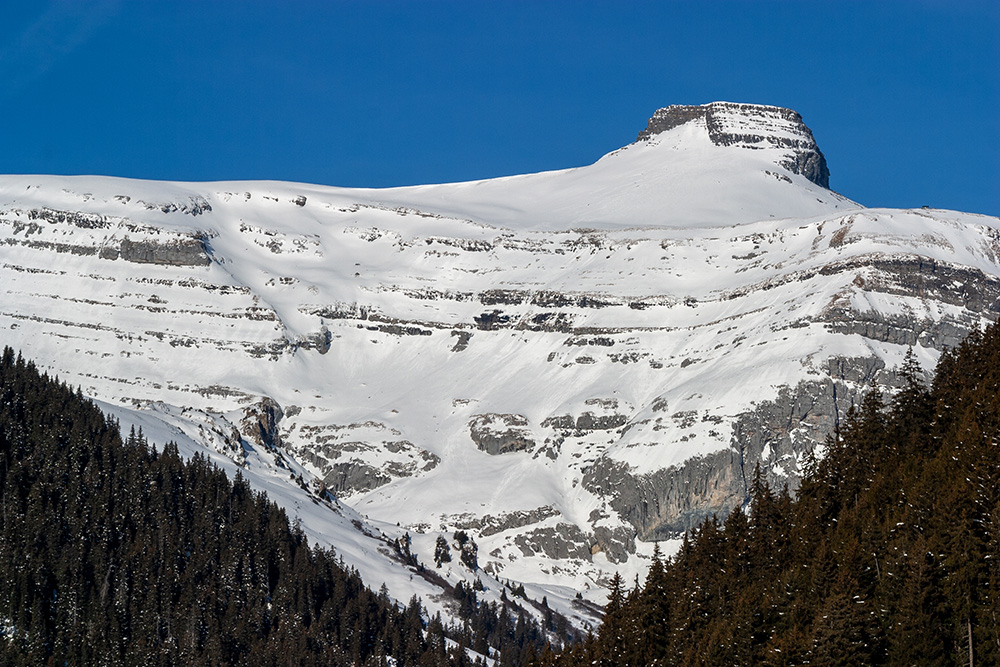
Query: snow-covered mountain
{"points": [[566, 365]]}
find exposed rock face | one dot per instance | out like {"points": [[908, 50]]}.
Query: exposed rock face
{"points": [[955, 285], [260, 423], [667, 502], [750, 126], [775, 435], [903, 330], [462, 343], [616, 543], [976, 293], [491, 524], [101, 238], [347, 471], [320, 341], [349, 477], [588, 421], [189, 252], [670, 117], [563, 541], [354, 458], [498, 434]]}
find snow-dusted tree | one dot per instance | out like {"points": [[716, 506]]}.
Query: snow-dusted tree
{"points": [[442, 552]]}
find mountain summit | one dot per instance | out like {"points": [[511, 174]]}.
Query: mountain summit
{"points": [[566, 366], [718, 164], [750, 126]]}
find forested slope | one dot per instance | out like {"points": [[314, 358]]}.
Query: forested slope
{"points": [[112, 553], [888, 554]]}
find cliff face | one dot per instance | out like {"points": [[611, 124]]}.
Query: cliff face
{"points": [[750, 126], [566, 365]]}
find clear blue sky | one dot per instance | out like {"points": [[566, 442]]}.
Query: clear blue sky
{"points": [[902, 96]]}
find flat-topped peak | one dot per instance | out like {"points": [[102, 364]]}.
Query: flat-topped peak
{"points": [[751, 126]]}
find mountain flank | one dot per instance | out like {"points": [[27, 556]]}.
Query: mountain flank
{"points": [[567, 367]]}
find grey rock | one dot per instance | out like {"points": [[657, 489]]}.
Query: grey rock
{"points": [[492, 320], [805, 158], [975, 292], [616, 543], [667, 502], [500, 433], [547, 322], [195, 205], [602, 341], [345, 472], [75, 218], [400, 330], [463, 340], [948, 332], [588, 421], [183, 252], [491, 525], [503, 297], [349, 477], [319, 341], [562, 422], [775, 434], [561, 542], [260, 423], [670, 117]]}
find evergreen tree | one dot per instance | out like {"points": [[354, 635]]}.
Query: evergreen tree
{"points": [[442, 552]]}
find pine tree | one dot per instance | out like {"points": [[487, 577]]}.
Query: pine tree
{"points": [[612, 638], [442, 552]]}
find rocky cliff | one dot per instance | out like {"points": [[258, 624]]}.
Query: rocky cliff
{"points": [[750, 126]]}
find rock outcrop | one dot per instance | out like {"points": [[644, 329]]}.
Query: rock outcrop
{"points": [[185, 252], [750, 126], [776, 435], [260, 423], [499, 434]]}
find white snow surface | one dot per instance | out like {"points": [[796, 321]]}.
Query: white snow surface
{"points": [[688, 273]]}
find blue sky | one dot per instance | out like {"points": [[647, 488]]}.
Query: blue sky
{"points": [[903, 97]]}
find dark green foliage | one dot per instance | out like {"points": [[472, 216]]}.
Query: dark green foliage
{"points": [[114, 553], [442, 552], [889, 555], [469, 550]]}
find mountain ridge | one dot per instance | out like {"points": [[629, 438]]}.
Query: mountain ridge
{"points": [[703, 173]]}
